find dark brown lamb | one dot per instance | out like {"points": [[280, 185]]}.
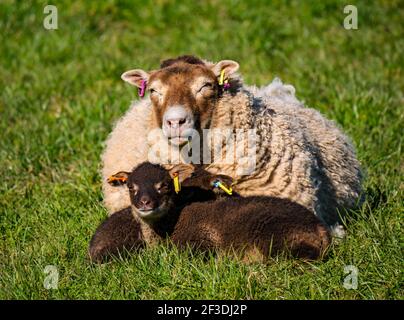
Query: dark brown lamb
{"points": [[254, 227]]}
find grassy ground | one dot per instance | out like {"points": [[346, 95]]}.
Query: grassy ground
{"points": [[61, 93]]}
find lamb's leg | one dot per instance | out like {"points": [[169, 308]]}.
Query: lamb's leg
{"points": [[118, 234], [311, 243]]}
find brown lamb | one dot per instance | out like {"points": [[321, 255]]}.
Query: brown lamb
{"points": [[252, 227]]}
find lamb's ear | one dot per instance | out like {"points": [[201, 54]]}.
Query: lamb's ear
{"points": [[184, 171], [118, 179], [229, 67], [135, 77]]}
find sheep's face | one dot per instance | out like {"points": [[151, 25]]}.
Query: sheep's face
{"points": [[183, 98], [151, 188], [183, 94]]}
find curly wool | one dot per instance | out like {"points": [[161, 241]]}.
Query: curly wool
{"points": [[300, 155]]}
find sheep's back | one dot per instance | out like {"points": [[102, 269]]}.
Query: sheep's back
{"points": [[300, 155]]}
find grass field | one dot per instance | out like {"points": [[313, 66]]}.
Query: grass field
{"points": [[61, 94]]}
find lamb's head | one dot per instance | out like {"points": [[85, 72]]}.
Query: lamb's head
{"points": [[184, 92], [151, 188], [152, 192]]}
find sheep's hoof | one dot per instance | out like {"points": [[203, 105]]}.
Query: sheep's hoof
{"points": [[338, 232]]}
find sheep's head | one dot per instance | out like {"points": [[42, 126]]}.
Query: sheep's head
{"points": [[184, 92]]}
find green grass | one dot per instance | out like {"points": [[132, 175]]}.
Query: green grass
{"points": [[61, 93]]}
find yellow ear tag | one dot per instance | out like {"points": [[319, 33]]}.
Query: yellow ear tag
{"points": [[177, 185], [229, 190], [221, 79]]}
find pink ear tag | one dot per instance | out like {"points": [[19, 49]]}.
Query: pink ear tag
{"points": [[142, 88]]}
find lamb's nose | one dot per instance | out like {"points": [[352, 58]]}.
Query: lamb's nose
{"points": [[145, 202], [175, 123]]}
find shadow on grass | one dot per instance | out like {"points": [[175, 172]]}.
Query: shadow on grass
{"points": [[375, 199]]}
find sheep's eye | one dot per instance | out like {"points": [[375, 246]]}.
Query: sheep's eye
{"points": [[154, 92], [207, 85]]}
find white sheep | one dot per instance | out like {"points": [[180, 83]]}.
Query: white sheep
{"points": [[300, 155]]}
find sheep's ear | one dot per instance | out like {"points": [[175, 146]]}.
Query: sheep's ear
{"points": [[184, 171], [229, 67], [135, 77], [118, 179]]}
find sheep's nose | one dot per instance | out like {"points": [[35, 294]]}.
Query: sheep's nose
{"points": [[175, 120], [175, 123]]}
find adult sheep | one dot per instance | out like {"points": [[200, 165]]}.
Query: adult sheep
{"points": [[299, 155]]}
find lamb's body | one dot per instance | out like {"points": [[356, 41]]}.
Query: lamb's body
{"points": [[252, 227], [256, 227], [300, 155]]}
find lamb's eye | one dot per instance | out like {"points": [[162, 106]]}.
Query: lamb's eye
{"points": [[133, 189], [162, 187]]}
